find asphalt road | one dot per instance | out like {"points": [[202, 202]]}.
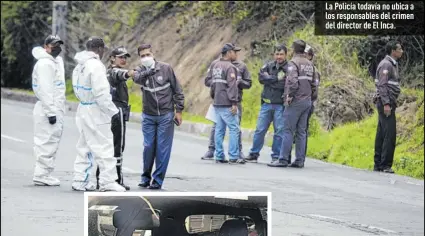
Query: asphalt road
{"points": [[321, 199]]}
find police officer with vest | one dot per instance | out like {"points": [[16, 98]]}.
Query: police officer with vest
{"points": [[244, 82], [117, 77], [387, 91], [310, 56], [225, 92], [299, 88]]}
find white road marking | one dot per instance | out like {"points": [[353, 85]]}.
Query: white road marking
{"points": [[363, 227], [12, 138]]}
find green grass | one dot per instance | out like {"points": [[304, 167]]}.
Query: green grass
{"points": [[353, 145]]}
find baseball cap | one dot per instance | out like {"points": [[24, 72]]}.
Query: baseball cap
{"points": [[95, 42], [230, 46], [53, 39], [120, 51]]}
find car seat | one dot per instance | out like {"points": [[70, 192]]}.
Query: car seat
{"points": [[233, 227]]}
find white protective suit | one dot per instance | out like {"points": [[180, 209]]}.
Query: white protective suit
{"points": [[48, 83], [93, 120]]}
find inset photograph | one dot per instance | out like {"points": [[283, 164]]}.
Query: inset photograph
{"points": [[177, 214]]}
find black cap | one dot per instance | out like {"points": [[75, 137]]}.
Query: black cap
{"points": [[120, 51], [230, 46], [53, 39], [95, 42], [299, 46]]}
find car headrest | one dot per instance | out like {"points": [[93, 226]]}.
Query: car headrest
{"points": [[234, 227]]}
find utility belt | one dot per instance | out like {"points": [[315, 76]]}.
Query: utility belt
{"points": [[125, 110]]}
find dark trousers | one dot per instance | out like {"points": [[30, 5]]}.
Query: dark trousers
{"points": [[307, 134], [158, 134], [118, 128], [385, 140], [295, 122], [211, 145]]}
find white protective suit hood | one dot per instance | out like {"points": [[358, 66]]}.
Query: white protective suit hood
{"points": [[39, 53], [82, 57]]}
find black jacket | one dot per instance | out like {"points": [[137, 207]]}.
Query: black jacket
{"points": [[274, 84], [162, 92], [117, 78], [387, 81]]}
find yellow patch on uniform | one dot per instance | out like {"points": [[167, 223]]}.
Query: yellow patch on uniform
{"points": [[233, 75]]}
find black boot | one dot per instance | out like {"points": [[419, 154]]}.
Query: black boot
{"points": [[120, 179]]}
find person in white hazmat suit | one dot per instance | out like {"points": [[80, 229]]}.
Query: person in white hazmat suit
{"points": [[48, 83], [93, 119]]}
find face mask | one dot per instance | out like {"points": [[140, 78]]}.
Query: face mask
{"points": [[56, 51], [147, 61]]}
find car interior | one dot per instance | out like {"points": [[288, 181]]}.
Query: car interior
{"points": [[177, 216]]}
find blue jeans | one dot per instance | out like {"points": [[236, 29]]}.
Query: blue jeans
{"points": [[295, 115], [158, 134], [269, 113], [225, 118]]}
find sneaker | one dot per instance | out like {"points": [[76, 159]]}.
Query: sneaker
{"points": [[45, 181], [237, 161], [83, 186], [113, 187], [221, 161], [297, 165], [155, 186], [252, 158], [278, 163], [242, 156], [144, 184], [209, 155], [388, 170]]}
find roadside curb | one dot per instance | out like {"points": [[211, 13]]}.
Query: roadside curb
{"points": [[186, 126]]}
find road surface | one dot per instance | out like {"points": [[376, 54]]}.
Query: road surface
{"points": [[321, 199]]}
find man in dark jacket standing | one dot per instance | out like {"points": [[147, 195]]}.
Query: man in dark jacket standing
{"points": [[388, 89], [163, 104], [225, 92], [272, 76], [117, 77], [299, 88], [244, 82]]}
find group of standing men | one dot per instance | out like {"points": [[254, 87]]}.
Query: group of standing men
{"points": [[102, 113], [290, 90], [288, 100]]}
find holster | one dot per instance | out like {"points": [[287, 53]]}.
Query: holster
{"points": [[126, 113]]}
